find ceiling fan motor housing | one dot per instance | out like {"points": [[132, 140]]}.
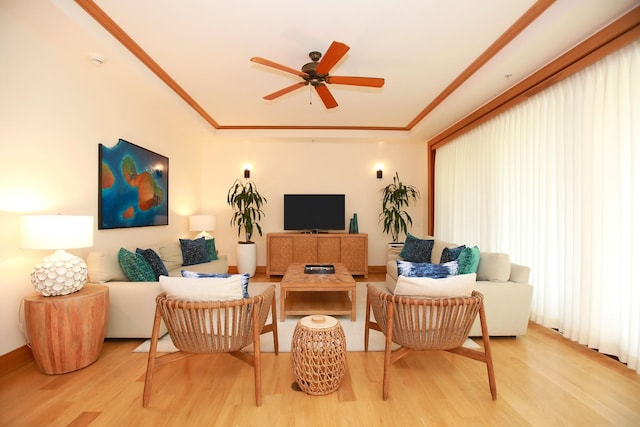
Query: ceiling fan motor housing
{"points": [[310, 69]]}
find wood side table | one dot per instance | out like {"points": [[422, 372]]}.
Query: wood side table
{"points": [[318, 354], [66, 333]]}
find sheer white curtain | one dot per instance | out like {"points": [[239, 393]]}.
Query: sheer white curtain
{"points": [[555, 182]]}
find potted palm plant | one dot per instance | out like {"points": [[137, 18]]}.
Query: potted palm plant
{"points": [[246, 202], [395, 197]]}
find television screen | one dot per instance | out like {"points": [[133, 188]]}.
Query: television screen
{"points": [[314, 212]]}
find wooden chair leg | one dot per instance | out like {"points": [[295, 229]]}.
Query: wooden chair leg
{"points": [[366, 322], [256, 359], [487, 352], [274, 321], [151, 360], [387, 352]]}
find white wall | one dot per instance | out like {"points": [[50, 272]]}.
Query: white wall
{"points": [[311, 167], [56, 107]]}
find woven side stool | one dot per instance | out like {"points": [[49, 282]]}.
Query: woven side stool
{"points": [[318, 354]]}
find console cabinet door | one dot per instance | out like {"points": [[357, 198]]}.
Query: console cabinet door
{"points": [[329, 249], [279, 254], [305, 248], [354, 254]]}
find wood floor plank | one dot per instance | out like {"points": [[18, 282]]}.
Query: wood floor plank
{"points": [[542, 379]]}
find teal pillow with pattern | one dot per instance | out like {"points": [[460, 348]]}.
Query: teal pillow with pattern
{"points": [[468, 260], [211, 249], [135, 267]]}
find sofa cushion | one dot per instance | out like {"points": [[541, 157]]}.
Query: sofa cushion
{"points": [[425, 269], [202, 289], [494, 267], [451, 254], [154, 261], [104, 268], [171, 255], [244, 277], [211, 249], [452, 286], [468, 260], [416, 250], [519, 273], [135, 266], [194, 251]]}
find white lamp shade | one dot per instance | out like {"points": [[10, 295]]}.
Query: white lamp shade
{"points": [[56, 231], [202, 222]]}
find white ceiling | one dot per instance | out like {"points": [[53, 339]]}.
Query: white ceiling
{"points": [[418, 46]]}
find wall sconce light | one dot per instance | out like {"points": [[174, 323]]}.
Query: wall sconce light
{"points": [[202, 223], [247, 173], [60, 273], [379, 174]]}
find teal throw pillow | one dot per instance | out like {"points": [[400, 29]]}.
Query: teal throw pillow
{"points": [[468, 260], [211, 249], [154, 261], [244, 277], [425, 269], [417, 250], [194, 251], [451, 254], [135, 267]]}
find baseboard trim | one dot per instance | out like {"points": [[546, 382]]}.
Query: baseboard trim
{"points": [[15, 359]]}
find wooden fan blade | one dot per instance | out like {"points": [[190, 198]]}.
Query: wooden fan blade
{"points": [[327, 99], [277, 66], [334, 54], [284, 91], [355, 81]]}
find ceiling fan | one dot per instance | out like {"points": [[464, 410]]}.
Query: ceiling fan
{"points": [[316, 73]]}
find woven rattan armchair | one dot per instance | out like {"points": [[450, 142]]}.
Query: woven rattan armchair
{"points": [[213, 327], [426, 324]]}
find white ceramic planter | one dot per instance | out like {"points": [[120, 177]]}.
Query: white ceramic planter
{"points": [[247, 254]]}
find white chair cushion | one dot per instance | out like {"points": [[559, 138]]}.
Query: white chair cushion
{"points": [[203, 288], [453, 286]]}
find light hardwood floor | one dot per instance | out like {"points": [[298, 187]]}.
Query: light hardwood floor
{"points": [[542, 380]]}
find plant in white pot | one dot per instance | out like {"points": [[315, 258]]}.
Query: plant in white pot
{"points": [[246, 202], [395, 198]]}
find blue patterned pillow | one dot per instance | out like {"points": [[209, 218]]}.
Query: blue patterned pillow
{"points": [[194, 251], [154, 261], [211, 249], [135, 267], [451, 254], [417, 250], [425, 269], [196, 275]]}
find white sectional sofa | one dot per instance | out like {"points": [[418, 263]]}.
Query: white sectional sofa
{"points": [[507, 293], [132, 304]]}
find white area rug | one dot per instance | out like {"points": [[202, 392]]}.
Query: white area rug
{"points": [[354, 331]]}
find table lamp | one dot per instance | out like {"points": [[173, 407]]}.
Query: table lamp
{"points": [[60, 273], [202, 223]]}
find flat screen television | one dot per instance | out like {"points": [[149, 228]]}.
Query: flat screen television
{"points": [[314, 212]]}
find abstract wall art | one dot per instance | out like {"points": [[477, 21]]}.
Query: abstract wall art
{"points": [[133, 187]]}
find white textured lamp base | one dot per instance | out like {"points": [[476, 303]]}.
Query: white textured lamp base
{"points": [[59, 274]]}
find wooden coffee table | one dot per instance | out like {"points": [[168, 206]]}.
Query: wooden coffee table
{"points": [[305, 294]]}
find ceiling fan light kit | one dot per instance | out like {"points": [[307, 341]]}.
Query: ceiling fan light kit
{"points": [[316, 74]]}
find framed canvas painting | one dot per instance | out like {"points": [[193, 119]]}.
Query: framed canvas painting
{"points": [[133, 187]]}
